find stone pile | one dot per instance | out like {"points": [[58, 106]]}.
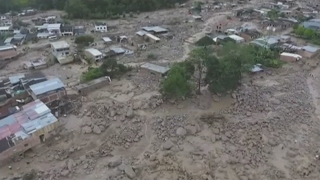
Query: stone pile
{"points": [[170, 126]]}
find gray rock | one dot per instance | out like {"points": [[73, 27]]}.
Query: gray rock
{"points": [[181, 131], [192, 129], [96, 129], [64, 173], [86, 130], [130, 113], [167, 145], [215, 98], [112, 113], [129, 172], [114, 163]]}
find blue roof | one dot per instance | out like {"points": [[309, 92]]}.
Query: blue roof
{"points": [[310, 48], [46, 86]]}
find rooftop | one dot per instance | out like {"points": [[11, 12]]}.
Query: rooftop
{"points": [[155, 68], [117, 50], [60, 45], [5, 28], [34, 111], [310, 48], [94, 52], [46, 86], [106, 39], [53, 26], [155, 29], [7, 47], [100, 24]]}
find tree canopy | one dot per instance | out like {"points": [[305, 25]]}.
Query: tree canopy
{"points": [[222, 72], [97, 9], [177, 84]]}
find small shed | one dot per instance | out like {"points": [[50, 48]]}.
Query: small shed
{"points": [[151, 38], [155, 68], [236, 38], [308, 51], [290, 57]]}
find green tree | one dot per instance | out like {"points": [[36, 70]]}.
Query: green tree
{"points": [[273, 14], [84, 40], [198, 57], [176, 85]]}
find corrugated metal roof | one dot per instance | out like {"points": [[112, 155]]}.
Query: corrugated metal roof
{"points": [[155, 68], [39, 123], [16, 78], [46, 86], [94, 52], [34, 111], [156, 29], [117, 50], [310, 48]]}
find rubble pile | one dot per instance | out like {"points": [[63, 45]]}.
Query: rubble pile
{"points": [[127, 135], [146, 82], [170, 126], [283, 108]]}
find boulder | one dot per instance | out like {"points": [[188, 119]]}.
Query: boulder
{"points": [[167, 145], [86, 130], [181, 131], [96, 129]]}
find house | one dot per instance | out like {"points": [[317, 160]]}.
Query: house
{"points": [[312, 24], [54, 29], [266, 42], [153, 68], [308, 51], [79, 30], [151, 38], [290, 57], [93, 54], [155, 30], [100, 27], [141, 33], [61, 50], [222, 38], [17, 39], [236, 38], [250, 34], [8, 52], [117, 50], [66, 30], [28, 127], [86, 88], [6, 22], [35, 64], [48, 91], [6, 29], [43, 35]]}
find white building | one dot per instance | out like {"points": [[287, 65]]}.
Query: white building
{"points": [[100, 27], [54, 29], [61, 50], [94, 54], [236, 38], [6, 29]]}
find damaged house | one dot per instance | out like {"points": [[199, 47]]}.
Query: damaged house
{"points": [[49, 92], [28, 127]]}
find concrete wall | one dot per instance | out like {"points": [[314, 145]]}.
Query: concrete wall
{"points": [[85, 89], [52, 96], [19, 148], [307, 54], [288, 58]]}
